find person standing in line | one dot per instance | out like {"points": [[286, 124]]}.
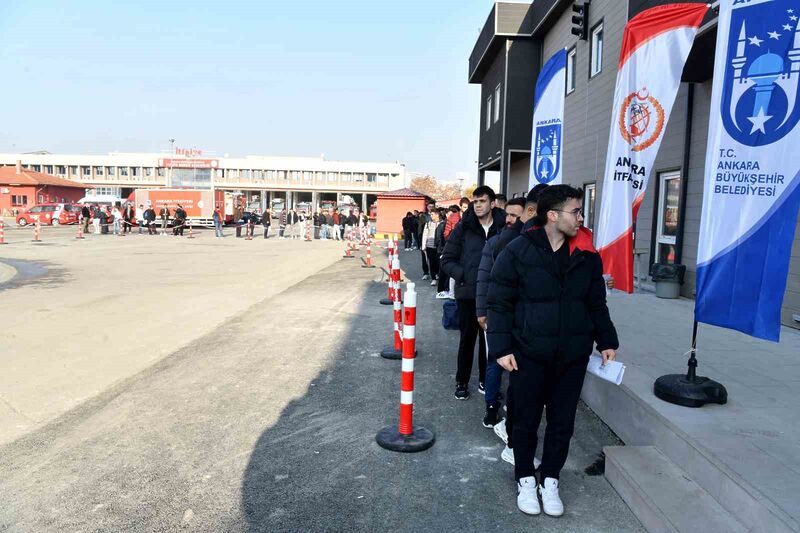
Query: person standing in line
{"points": [[291, 221], [150, 219], [439, 241], [501, 201], [96, 218], [315, 221], [128, 217], [323, 225], [116, 214], [429, 240], [464, 204], [408, 240], [554, 278], [140, 218], [266, 221], [217, 218], [300, 225], [164, 216], [337, 225], [424, 219], [180, 221], [282, 218], [86, 214], [460, 260], [515, 209]]}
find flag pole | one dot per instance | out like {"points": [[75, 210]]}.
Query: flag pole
{"points": [[690, 390]]}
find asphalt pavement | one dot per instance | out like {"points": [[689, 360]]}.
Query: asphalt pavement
{"points": [[268, 423]]}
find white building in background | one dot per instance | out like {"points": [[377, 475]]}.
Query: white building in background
{"points": [[260, 179]]}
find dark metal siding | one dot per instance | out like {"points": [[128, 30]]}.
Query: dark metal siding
{"points": [[491, 140]]}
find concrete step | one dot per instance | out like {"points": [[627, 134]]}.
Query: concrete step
{"points": [[662, 496], [639, 419]]}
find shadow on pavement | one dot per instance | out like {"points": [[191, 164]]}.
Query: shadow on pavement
{"points": [[318, 467]]}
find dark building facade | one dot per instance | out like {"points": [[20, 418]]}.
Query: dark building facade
{"points": [[667, 228]]}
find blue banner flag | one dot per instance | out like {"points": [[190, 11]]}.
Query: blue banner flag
{"points": [[548, 118]]}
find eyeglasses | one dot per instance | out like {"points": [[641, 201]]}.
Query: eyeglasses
{"points": [[575, 212]]}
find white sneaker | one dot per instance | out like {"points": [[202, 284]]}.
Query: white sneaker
{"points": [[550, 499], [441, 295], [500, 431], [507, 455], [451, 296], [433, 282], [426, 277], [527, 500]]}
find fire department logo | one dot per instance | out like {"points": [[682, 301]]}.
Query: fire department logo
{"points": [[641, 120]]}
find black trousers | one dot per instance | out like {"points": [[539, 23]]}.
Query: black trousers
{"points": [[470, 331], [532, 387], [433, 261], [425, 269], [409, 241]]}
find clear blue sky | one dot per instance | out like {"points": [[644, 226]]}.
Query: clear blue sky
{"points": [[373, 81]]}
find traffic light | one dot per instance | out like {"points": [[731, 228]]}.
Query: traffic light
{"points": [[580, 20]]}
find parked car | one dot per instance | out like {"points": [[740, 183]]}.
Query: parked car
{"points": [[50, 214]]}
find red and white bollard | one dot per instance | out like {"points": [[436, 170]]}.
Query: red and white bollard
{"points": [[348, 250], [404, 437], [368, 263], [390, 294], [80, 230], [2, 232], [190, 233], [394, 351], [308, 231], [37, 231]]}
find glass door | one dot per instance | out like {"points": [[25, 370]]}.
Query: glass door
{"points": [[669, 197]]}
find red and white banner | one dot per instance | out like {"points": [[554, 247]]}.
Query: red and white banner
{"points": [[655, 46]]}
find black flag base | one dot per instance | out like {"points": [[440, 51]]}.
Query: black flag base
{"points": [[682, 390]]}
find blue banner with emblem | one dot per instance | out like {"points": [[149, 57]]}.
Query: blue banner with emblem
{"points": [[548, 119], [752, 182]]}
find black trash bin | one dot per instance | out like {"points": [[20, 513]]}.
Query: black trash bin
{"points": [[668, 279]]}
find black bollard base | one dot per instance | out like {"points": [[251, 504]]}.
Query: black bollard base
{"points": [[680, 390], [367, 266], [390, 353], [386, 301], [349, 256], [391, 439]]}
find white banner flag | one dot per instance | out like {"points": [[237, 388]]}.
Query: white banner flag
{"points": [[548, 118], [655, 46], [752, 173]]}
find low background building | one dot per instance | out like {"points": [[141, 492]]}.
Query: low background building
{"points": [[21, 188]]}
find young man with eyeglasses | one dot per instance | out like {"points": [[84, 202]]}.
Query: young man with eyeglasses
{"points": [[546, 310]]}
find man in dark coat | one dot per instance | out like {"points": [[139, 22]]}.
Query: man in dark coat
{"points": [[460, 260], [546, 310]]}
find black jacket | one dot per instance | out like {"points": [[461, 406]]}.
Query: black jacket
{"points": [[491, 250], [438, 238], [462, 253], [533, 313]]}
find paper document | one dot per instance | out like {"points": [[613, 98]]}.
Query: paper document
{"points": [[613, 371]]}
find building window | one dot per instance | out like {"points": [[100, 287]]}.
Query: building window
{"points": [[308, 176], [162, 172], [295, 175], [86, 171], [148, 171], [371, 178], [346, 176], [61, 170], [589, 195], [320, 176], [37, 168], [73, 170], [571, 59], [488, 113], [48, 169], [669, 199], [123, 172], [18, 201], [281, 174], [332, 176], [497, 103], [358, 176], [596, 51], [98, 171], [110, 171], [135, 172]]}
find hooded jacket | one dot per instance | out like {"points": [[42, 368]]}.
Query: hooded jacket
{"points": [[491, 250], [534, 313], [462, 252]]}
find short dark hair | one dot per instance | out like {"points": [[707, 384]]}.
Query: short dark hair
{"points": [[516, 201], [484, 190], [502, 197], [464, 199], [533, 194], [554, 197], [454, 208]]}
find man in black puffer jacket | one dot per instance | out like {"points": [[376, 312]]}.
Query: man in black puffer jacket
{"points": [[460, 260], [546, 310]]}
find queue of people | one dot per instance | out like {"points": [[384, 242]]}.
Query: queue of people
{"points": [[531, 294], [120, 219]]}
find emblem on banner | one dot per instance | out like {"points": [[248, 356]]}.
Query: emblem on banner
{"points": [[641, 120], [762, 73], [547, 152]]}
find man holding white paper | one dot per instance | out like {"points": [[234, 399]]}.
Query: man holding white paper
{"points": [[546, 310]]}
